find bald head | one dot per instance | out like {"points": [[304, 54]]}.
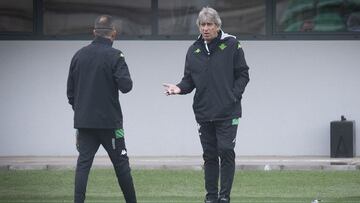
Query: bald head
{"points": [[104, 27]]}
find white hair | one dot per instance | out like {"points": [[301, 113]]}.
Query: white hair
{"points": [[208, 14]]}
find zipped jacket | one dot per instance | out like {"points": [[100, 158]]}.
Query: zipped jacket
{"points": [[97, 73], [219, 74]]}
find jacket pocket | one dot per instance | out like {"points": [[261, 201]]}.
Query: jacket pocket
{"points": [[233, 97], [236, 98]]}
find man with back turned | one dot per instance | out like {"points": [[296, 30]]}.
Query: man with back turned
{"points": [[97, 73]]}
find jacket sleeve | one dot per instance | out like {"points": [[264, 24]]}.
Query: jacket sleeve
{"points": [[241, 72], [122, 75], [70, 83], [186, 84]]}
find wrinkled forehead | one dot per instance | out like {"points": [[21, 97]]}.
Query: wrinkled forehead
{"points": [[207, 19]]}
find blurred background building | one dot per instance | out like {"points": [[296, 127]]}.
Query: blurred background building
{"points": [[303, 58]]}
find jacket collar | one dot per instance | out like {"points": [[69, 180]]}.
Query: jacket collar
{"points": [[211, 46], [102, 40], [216, 39]]}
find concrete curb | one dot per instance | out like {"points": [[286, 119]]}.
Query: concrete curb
{"points": [[265, 163]]}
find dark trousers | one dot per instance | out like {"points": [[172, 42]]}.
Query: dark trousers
{"points": [[88, 142], [218, 143]]}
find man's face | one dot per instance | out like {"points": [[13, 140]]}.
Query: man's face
{"points": [[208, 30]]}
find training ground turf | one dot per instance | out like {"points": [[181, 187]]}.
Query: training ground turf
{"points": [[183, 186]]}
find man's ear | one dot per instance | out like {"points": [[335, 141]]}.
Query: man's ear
{"points": [[113, 34]]}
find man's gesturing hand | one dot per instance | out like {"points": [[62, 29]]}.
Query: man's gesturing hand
{"points": [[171, 89]]}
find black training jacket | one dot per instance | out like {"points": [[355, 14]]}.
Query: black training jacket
{"points": [[97, 73], [219, 76]]}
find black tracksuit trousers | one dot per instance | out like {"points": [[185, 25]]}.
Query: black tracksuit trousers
{"points": [[88, 142], [218, 143]]}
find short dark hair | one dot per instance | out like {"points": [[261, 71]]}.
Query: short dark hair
{"points": [[104, 25]]}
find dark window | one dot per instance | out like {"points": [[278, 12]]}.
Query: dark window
{"points": [[318, 15], [16, 16], [178, 17], [76, 17]]}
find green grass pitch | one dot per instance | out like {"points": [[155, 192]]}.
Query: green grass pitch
{"points": [[182, 186]]}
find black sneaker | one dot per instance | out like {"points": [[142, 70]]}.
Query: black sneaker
{"points": [[224, 200], [211, 201]]}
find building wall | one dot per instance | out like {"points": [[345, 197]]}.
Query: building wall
{"points": [[296, 89]]}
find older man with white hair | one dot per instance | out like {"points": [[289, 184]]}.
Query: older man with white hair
{"points": [[215, 66]]}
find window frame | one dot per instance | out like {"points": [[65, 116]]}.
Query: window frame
{"points": [[307, 35], [270, 29]]}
